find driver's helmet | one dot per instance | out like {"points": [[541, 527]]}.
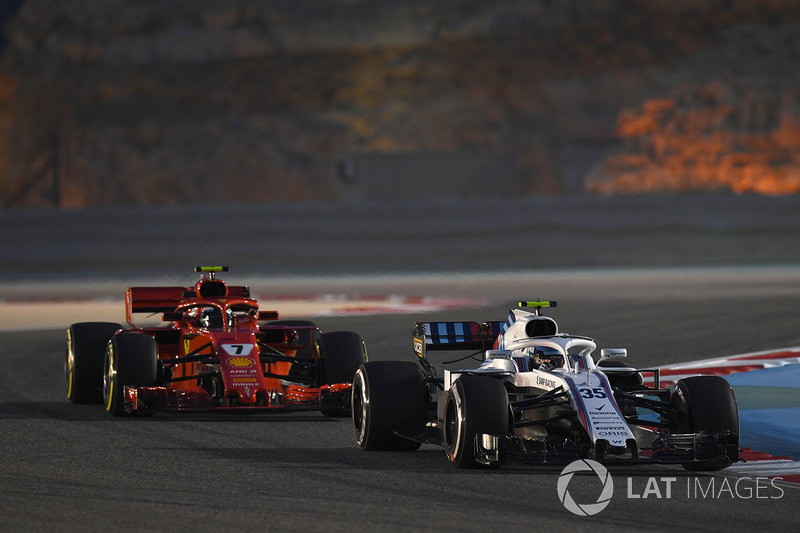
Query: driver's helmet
{"points": [[534, 358], [211, 318], [545, 359]]}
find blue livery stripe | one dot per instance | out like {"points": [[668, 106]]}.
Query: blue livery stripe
{"points": [[607, 388], [510, 320], [580, 361], [452, 332], [578, 400], [459, 331]]}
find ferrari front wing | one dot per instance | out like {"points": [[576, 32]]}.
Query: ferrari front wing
{"points": [[146, 400]]}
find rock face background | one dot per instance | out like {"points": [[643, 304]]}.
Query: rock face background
{"points": [[154, 102]]}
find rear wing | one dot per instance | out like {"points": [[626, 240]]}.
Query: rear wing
{"points": [[166, 299], [455, 336], [152, 300]]}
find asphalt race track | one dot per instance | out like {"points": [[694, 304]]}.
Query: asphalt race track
{"points": [[72, 467]]}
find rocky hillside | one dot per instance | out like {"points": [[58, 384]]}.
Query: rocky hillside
{"points": [[202, 100]]}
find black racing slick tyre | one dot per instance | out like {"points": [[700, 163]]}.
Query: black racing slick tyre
{"points": [[342, 353], [707, 403], [83, 364], [131, 360], [474, 405], [388, 397]]}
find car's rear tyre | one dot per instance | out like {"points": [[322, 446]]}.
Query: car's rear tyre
{"points": [[474, 405], [388, 397], [707, 403], [131, 360], [83, 363], [342, 353]]}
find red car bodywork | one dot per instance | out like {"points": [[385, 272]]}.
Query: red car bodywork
{"points": [[219, 351]]}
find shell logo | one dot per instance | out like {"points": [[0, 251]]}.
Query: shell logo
{"points": [[241, 361]]}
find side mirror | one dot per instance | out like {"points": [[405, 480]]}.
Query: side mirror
{"points": [[283, 338], [613, 353], [171, 316], [268, 315]]}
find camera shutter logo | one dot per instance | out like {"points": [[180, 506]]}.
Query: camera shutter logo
{"points": [[585, 509]]}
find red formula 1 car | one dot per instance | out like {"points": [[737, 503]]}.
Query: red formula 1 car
{"points": [[217, 352]]}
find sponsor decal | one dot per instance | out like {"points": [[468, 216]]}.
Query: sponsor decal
{"points": [[241, 361], [417, 346], [598, 410], [546, 382], [248, 380], [612, 433]]}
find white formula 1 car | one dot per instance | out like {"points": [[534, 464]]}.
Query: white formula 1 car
{"points": [[539, 396]]}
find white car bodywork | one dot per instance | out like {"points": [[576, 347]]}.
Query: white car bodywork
{"points": [[588, 388]]}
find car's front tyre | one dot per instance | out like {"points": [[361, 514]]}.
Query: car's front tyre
{"points": [[131, 360], [343, 352], [388, 397], [707, 404], [474, 405], [83, 362]]}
